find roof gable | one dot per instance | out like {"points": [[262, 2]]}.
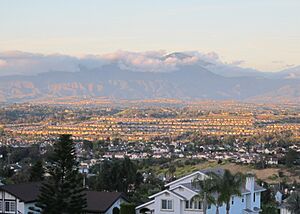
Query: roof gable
{"points": [[145, 204], [102, 201], [194, 174], [167, 191], [185, 187], [26, 192]]}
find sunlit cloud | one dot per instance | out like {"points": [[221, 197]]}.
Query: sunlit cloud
{"points": [[16, 62], [3, 63], [159, 60]]}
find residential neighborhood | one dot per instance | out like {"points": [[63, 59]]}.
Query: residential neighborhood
{"points": [[150, 107]]}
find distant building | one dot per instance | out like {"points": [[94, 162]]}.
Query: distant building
{"points": [[180, 197], [21, 198]]}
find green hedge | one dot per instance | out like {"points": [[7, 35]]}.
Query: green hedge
{"points": [[127, 209]]}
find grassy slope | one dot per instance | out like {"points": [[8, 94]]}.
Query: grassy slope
{"points": [[269, 175]]}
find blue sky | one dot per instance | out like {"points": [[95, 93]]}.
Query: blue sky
{"points": [[264, 34]]}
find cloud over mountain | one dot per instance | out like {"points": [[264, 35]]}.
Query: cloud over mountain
{"points": [[139, 75], [24, 63], [17, 62], [159, 61]]}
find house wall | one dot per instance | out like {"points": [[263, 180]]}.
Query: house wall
{"points": [[238, 203], [150, 206], [284, 211], [235, 208], [9, 196], [176, 204], [213, 209], [278, 197], [27, 207], [6, 196], [116, 204], [257, 199], [20, 206], [189, 211]]}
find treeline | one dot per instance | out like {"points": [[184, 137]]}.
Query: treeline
{"points": [[122, 175]]}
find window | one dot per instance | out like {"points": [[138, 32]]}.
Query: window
{"points": [[166, 204], [193, 204], [10, 206], [253, 197], [242, 199], [232, 200], [209, 206], [199, 205]]}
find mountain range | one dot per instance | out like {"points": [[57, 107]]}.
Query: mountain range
{"points": [[201, 80]]}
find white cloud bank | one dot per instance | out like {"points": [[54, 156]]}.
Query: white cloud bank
{"points": [[158, 61], [16, 62]]}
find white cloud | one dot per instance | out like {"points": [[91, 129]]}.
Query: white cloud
{"points": [[16, 62], [237, 62], [3, 63], [159, 60]]}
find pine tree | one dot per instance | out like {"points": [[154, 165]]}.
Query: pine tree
{"points": [[37, 172], [62, 192]]}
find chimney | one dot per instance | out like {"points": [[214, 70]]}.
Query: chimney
{"points": [[250, 181]]}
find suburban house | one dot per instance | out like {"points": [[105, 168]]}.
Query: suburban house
{"points": [[180, 197], [21, 198]]}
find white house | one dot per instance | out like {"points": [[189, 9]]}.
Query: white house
{"points": [[284, 210], [18, 198], [21, 199], [180, 197]]}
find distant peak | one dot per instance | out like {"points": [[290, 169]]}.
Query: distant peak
{"points": [[178, 55]]}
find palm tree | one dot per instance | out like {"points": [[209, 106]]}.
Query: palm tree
{"points": [[293, 203], [230, 184], [210, 188], [217, 187], [206, 193]]}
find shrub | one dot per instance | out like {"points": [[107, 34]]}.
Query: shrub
{"points": [[127, 209]]}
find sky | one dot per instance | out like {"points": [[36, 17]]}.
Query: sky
{"points": [[261, 34]]}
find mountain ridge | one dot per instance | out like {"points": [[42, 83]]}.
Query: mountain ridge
{"points": [[186, 82]]}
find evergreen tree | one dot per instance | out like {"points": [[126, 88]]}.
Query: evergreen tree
{"points": [[62, 192], [37, 172], [117, 175], [128, 174], [291, 157]]}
